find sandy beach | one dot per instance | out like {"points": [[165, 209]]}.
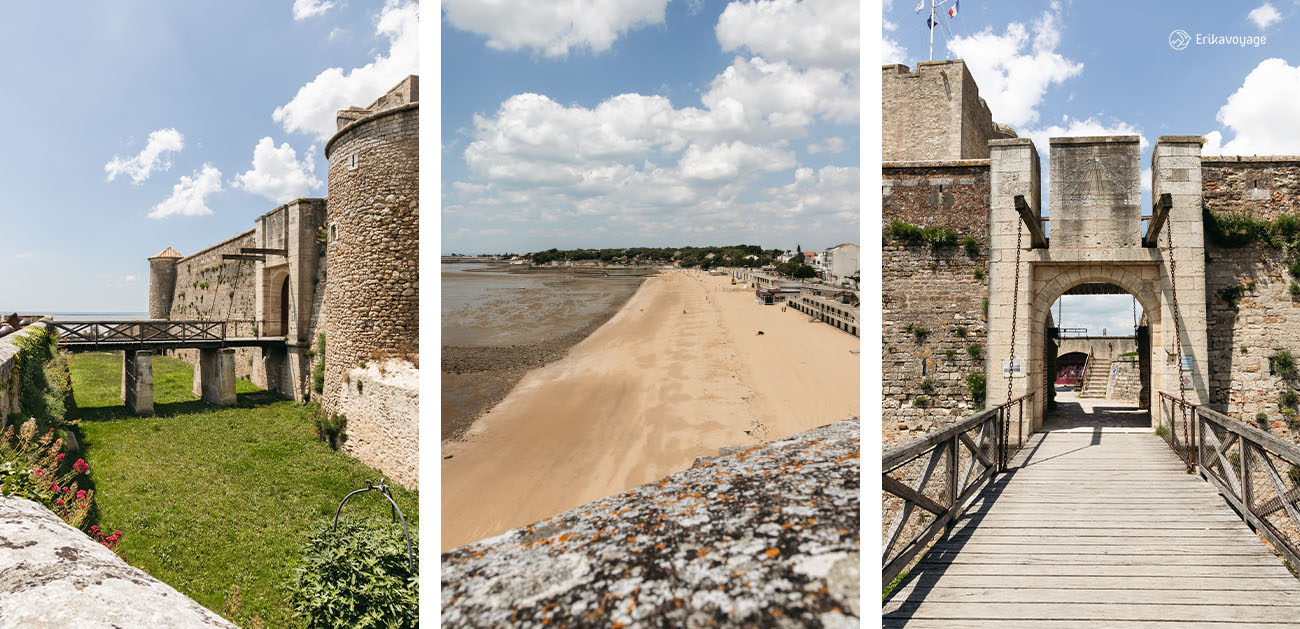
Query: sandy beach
{"points": [[677, 373]]}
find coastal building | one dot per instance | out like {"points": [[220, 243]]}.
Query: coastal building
{"points": [[337, 277], [840, 262]]}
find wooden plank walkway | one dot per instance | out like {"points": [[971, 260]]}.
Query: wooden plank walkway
{"points": [[1098, 526]]}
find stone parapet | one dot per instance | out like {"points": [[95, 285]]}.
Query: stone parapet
{"points": [[53, 575], [765, 537]]}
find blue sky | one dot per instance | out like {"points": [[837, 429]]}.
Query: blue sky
{"points": [[1102, 68], [175, 101], [620, 123]]}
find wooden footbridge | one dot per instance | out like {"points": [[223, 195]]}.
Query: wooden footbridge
{"points": [[1093, 521], [214, 376]]}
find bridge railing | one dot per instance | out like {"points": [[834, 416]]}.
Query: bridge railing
{"points": [[1258, 473], [1176, 424], [928, 482], [144, 332]]}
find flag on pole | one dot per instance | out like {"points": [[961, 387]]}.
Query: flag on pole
{"points": [[929, 23], [953, 11]]}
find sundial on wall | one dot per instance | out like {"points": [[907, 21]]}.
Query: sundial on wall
{"points": [[1097, 179]]}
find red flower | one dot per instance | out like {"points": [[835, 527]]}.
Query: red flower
{"points": [[81, 466], [54, 486], [94, 529], [37, 471], [67, 490], [59, 457], [81, 494], [117, 533], [59, 502]]}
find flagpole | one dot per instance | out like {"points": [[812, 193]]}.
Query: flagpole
{"points": [[931, 30]]}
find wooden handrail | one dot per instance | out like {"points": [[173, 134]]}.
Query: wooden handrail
{"points": [[1277, 518], [987, 451]]}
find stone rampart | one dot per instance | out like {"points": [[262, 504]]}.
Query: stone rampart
{"points": [[53, 575], [381, 402], [9, 394], [1262, 187], [767, 536], [935, 112], [931, 295], [1125, 379]]}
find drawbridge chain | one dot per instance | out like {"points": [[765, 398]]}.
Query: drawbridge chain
{"points": [[1189, 431]]}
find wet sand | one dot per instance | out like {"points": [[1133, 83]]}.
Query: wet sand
{"points": [[499, 323], [677, 373]]}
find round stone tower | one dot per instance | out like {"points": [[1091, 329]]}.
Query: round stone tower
{"points": [[162, 283], [370, 309]]}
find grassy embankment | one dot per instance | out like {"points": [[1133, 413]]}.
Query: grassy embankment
{"points": [[214, 502]]}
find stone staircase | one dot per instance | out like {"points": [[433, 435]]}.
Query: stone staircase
{"points": [[1096, 379]]}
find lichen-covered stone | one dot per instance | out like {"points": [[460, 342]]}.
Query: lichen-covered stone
{"points": [[53, 575], [764, 537]]}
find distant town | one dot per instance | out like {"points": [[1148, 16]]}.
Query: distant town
{"points": [[837, 265]]}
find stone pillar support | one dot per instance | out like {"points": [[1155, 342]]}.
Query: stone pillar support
{"points": [[216, 373], [137, 381]]}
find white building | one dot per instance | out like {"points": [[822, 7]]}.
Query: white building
{"points": [[841, 262]]}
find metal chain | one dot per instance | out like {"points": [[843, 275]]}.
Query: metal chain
{"points": [[1015, 307], [1178, 335]]}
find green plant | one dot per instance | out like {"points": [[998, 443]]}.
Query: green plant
{"points": [[919, 332], [927, 385], [1261, 418], [329, 426], [985, 307], [44, 385], [961, 331], [1293, 473], [931, 266], [1232, 295], [975, 350], [971, 246], [1162, 431], [1294, 267], [318, 371], [357, 575], [1244, 349], [905, 232], [1237, 230], [1235, 458], [979, 274], [920, 401], [949, 354], [1288, 398], [939, 237], [1282, 363], [1295, 289], [977, 385]]}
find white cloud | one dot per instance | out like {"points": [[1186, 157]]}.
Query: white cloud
{"points": [[808, 33], [1073, 127], [277, 174], [313, 108], [303, 9], [152, 157], [833, 144], [1014, 72], [729, 161], [189, 196], [778, 96], [24, 256], [830, 194], [1264, 16], [1263, 114], [553, 28]]}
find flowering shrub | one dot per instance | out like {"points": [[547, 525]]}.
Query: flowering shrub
{"points": [[357, 576], [30, 468]]}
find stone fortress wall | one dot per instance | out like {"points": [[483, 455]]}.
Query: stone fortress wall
{"points": [[345, 266], [371, 308], [932, 297], [1251, 308], [935, 177]]}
